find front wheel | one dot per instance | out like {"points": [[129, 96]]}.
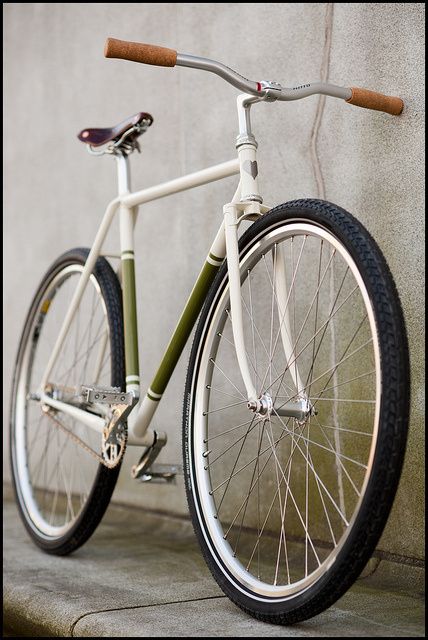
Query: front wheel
{"points": [[289, 508]]}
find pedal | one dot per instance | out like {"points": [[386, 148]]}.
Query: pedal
{"points": [[162, 473], [106, 395]]}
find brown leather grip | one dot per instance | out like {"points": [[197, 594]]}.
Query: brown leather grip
{"points": [[139, 52], [379, 102]]}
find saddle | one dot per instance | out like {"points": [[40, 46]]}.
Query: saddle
{"points": [[97, 137]]}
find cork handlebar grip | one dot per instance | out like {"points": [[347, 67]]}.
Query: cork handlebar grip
{"points": [[139, 52], [373, 100]]}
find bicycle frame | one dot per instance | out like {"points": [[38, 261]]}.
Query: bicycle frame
{"points": [[246, 203]]}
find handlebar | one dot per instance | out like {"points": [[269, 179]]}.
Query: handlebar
{"points": [[164, 57]]}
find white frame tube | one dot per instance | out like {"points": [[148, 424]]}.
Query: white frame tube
{"points": [[88, 419], [84, 277], [232, 253], [127, 202], [282, 295], [247, 199], [190, 181]]}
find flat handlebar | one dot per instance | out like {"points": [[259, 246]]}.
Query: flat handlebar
{"points": [[164, 57]]}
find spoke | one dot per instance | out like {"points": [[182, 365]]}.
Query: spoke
{"points": [[294, 308], [94, 301], [306, 501], [282, 537], [250, 428], [294, 501], [315, 335], [60, 477], [342, 361], [258, 501], [335, 386], [76, 337], [335, 366], [315, 297], [284, 314], [104, 363], [234, 465], [339, 460], [271, 308], [233, 345], [267, 353], [97, 338], [256, 483], [42, 457], [221, 371], [335, 416], [83, 337], [283, 435], [344, 400], [333, 451], [83, 479], [217, 435], [60, 452], [327, 325], [345, 351], [45, 471], [234, 404], [316, 307], [249, 491], [53, 508], [58, 467], [36, 433], [317, 476], [288, 465], [220, 391], [69, 501], [361, 433], [323, 504]]}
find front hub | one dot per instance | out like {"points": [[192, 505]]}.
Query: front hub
{"points": [[299, 409], [262, 407]]}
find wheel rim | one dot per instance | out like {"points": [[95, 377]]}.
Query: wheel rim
{"points": [[54, 475], [294, 486]]}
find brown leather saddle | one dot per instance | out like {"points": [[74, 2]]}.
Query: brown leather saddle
{"points": [[97, 137]]}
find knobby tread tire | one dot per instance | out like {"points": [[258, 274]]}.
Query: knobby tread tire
{"points": [[105, 479], [394, 413]]}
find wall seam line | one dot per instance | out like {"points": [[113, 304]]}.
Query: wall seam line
{"points": [[325, 64]]}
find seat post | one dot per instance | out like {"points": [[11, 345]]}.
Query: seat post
{"points": [[123, 173]]}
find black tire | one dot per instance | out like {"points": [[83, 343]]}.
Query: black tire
{"points": [[103, 479], [389, 449]]}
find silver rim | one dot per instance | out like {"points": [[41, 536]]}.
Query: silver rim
{"points": [[278, 497], [54, 475]]}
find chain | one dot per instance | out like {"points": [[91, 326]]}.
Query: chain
{"points": [[94, 454]]}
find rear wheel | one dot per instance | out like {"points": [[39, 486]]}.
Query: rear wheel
{"points": [[62, 490], [288, 508]]}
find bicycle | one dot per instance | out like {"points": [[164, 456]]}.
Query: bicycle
{"points": [[297, 393]]}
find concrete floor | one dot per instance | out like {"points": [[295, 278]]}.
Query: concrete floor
{"points": [[127, 583]]}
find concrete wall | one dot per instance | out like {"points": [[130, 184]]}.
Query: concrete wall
{"points": [[57, 82]]}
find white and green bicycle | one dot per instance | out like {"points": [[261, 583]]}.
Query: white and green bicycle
{"points": [[297, 393]]}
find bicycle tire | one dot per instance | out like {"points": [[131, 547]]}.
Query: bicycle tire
{"points": [[294, 603], [41, 520]]}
